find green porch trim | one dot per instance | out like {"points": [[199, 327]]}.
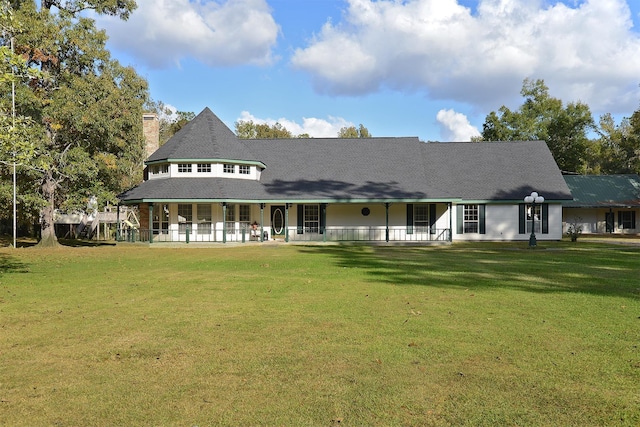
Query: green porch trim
{"points": [[294, 202]]}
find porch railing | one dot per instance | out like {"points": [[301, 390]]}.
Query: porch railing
{"points": [[330, 234]]}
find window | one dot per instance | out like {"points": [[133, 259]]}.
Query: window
{"points": [[537, 218], [227, 168], [184, 167], [160, 218], [185, 218], [527, 216], [627, 220], [421, 218], [204, 219], [157, 169], [311, 218], [230, 219], [204, 167], [244, 170], [244, 214], [471, 218]]}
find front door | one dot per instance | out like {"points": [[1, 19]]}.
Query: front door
{"points": [[609, 222], [277, 220]]}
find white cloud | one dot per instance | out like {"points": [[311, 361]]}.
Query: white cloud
{"points": [[587, 50], [161, 33], [455, 126], [314, 127]]}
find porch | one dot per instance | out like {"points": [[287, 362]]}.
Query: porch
{"points": [[290, 234], [308, 222]]}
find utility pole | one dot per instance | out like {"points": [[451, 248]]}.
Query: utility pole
{"points": [[13, 128]]}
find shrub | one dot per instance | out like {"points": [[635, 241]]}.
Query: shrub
{"points": [[575, 229]]}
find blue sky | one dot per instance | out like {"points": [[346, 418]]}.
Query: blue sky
{"points": [[427, 68]]}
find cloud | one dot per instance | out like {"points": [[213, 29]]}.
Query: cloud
{"points": [[314, 127], [587, 50], [455, 126], [161, 33]]}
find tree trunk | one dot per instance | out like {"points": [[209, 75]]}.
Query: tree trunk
{"points": [[48, 237]]}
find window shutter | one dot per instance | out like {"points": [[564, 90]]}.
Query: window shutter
{"points": [[323, 217], [409, 218], [545, 219], [460, 219], [633, 219], [300, 229], [432, 218], [522, 223], [482, 219]]}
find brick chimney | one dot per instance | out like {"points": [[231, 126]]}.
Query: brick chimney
{"points": [[151, 130]]}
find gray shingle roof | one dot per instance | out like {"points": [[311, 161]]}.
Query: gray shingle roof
{"points": [[204, 137], [495, 170], [335, 169], [603, 190]]}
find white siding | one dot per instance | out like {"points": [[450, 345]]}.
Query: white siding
{"points": [[502, 224], [593, 220]]}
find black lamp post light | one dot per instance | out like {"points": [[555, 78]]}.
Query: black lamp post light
{"points": [[533, 199]]}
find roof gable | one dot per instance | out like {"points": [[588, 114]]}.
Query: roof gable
{"points": [[495, 170]]}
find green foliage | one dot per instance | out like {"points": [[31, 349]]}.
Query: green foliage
{"points": [[83, 109], [181, 119], [353, 132], [247, 129], [120, 8], [542, 117], [619, 145]]}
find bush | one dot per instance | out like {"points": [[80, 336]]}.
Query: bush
{"points": [[575, 229]]}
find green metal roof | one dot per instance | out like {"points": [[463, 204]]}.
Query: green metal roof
{"points": [[603, 190]]}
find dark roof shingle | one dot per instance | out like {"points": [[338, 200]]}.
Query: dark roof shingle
{"points": [[366, 169], [204, 137]]}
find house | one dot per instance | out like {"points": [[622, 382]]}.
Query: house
{"points": [[603, 203], [205, 184]]}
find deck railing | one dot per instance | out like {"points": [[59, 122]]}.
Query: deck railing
{"points": [[330, 234]]}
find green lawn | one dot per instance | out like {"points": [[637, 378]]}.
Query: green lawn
{"points": [[468, 334]]}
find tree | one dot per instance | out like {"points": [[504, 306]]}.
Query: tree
{"points": [[170, 121], [86, 106], [353, 132], [247, 129], [542, 117], [181, 119], [619, 145]]}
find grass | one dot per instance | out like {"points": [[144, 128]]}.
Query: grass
{"points": [[468, 334]]}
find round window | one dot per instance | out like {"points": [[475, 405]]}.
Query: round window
{"points": [[365, 211]]}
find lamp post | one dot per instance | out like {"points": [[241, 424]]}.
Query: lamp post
{"points": [[532, 199]]}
